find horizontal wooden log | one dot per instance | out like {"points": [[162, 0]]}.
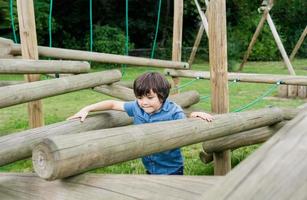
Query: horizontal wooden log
{"points": [[277, 170], [245, 138], [7, 83], [18, 146], [101, 57], [25, 66], [128, 84], [21, 93], [99, 186], [62, 156], [242, 77]]}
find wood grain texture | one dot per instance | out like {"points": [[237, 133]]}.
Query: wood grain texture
{"points": [[98, 186], [18, 146], [21, 93], [63, 156], [26, 66], [242, 77], [277, 170]]}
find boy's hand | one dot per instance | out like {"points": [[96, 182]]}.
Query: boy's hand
{"points": [[202, 115], [82, 114]]}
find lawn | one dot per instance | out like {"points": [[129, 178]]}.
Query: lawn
{"points": [[14, 119]]}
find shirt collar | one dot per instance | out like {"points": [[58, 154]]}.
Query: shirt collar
{"points": [[166, 105]]}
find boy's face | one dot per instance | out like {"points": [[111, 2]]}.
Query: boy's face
{"points": [[150, 103]]}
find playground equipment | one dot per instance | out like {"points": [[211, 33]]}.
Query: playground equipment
{"points": [[14, 147]]}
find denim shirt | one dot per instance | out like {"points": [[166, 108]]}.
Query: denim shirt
{"points": [[166, 162]]}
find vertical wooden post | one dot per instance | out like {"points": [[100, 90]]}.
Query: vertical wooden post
{"points": [[218, 69], [177, 36], [299, 43], [29, 50]]}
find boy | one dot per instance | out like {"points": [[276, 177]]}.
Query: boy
{"points": [[151, 90]]}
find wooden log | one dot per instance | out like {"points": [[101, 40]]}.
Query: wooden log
{"points": [[277, 170], [177, 38], [254, 38], [283, 91], [102, 57], [102, 186], [128, 84], [298, 44], [5, 47], [62, 156], [242, 139], [196, 44], [6, 83], [19, 146], [243, 77], [218, 73], [28, 40], [302, 91], [292, 91], [21, 93], [280, 45], [26, 66], [127, 94]]}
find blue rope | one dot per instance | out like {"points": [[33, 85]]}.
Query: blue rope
{"points": [[50, 23], [91, 26], [157, 30]]}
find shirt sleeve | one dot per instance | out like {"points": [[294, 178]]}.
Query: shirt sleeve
{"points": [[179, 115], [129, 107]]}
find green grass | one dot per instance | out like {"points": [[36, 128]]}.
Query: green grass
{"points": [[14, 119]]}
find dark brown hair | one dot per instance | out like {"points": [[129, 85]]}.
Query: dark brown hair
{"points": [[152, 81]]}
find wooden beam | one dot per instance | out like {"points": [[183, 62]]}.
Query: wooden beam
{"points": [[177, 37], [280, 45], [29, 50], [21, 93], [218, 69], [243, 77], [277, 170], [18, 146], [25, 66], [103, 57], [66, 155], [255, 36], [105, 186], [298, 44], [7, 83], [196, 44]]}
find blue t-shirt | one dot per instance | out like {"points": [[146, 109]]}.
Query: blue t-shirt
{"points": [[166, 162]]}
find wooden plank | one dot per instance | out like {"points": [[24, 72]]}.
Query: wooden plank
{"points": [[196, 44], [21, 93], [218, 69], [26, 66], [283, 91], [302, 91], [27, 29], [65, 155], [298, 44], [277, 170], [242, 77], [103, 186], [18, 146], [177, 37]]}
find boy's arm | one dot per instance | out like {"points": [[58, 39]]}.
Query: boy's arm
{"points": [[101, 106]]}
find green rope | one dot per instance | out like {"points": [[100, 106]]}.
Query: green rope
{"points": [[157, 30], [50, 23], [12, 21], [187, 84], [269, 91], [205, 97], [91, 26]]}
